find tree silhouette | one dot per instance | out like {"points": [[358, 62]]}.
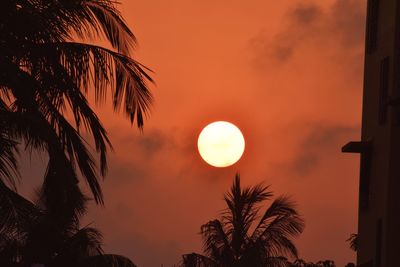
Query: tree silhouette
{"points": [[46, 71], [302, 263], [48, 65], [229, 242], [37, 237]]}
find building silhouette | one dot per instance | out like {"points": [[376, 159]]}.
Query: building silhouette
{"points": [[379, 148]]}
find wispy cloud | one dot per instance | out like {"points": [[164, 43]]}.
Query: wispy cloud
{"points": [[309, 24]]}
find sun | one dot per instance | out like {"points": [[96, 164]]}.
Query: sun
{"points": [[221, 144]]}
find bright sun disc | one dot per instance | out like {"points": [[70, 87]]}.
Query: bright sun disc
{"points": [[221, 144]]}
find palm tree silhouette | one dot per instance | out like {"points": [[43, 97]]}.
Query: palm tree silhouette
{"points": [[37, 237], [47, 70], [302, 263], [48, 65], [229, 241]]}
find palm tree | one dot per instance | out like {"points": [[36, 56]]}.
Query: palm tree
{"points": [[48, 64], [302, 263], [230, 242], [37, 237]]}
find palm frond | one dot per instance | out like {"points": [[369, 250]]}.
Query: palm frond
{"points": [[50, 127], [279, 224], [216, 243], [57, 85], [277, 262], [22, 126], [43, 74], [71, 137], [16, 212], [73, 143], [112, 24], [43, 77], [8, 162], [94, 65], [197, 260], [85, 242], [228, 242], [59, 136], [60, 189], [242, 210]]}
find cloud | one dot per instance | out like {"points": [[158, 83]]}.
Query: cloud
{"points": [[280, 47], [149, 143], [310, 25], [305, 14], [317, 144], [153, 142], [347, 19], [122, 172]]}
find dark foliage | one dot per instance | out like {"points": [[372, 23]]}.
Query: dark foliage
{"points": [[39, 237], [229, 241], [48, 67], [302, 263], [46, 72]]}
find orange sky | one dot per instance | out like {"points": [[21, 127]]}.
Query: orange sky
{"points": [[288, 73]]}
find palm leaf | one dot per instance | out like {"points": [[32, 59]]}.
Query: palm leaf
{"points": [[126, 77], [112, 24], [279, 223], [215, 241], [60, 189], [197, 260], [52, 129], [242, 210], [277, 262], [8, 162], [228, 243], [36, 130], [83, 243], [16, 212]]}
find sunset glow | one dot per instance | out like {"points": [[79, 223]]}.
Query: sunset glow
{"points": [[268, 90]]}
